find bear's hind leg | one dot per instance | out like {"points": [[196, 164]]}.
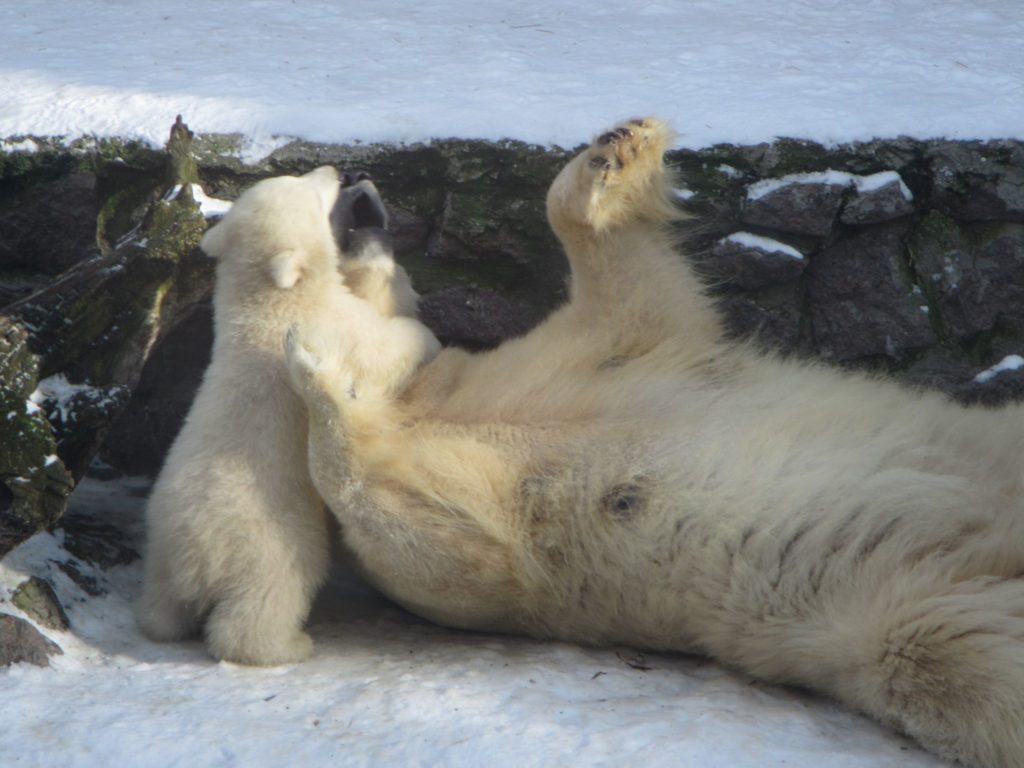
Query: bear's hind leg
{"points": [[948, 669]]}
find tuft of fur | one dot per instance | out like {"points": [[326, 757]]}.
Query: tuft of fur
{"points": [[624, 474], [237, 535]]}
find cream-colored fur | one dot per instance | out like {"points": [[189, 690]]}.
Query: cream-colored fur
{"points": [[625, 474], [237, 535]]}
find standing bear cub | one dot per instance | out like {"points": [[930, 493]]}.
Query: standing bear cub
{"points": [[625, 474], [237, 535]]}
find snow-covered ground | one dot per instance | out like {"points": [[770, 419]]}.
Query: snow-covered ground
{"points": [[385, 689], [544, 71]]}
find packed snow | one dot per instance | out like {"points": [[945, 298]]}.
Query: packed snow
{"points": [[830, 177], [387, 689], [384, 688], [1008, 363], [762, 243], [543, 71]]}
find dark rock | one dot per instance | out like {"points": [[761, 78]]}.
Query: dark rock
{"points": [[772, 321], [21, 642], [52, 227], [95, 325], [977, 181], [39, 602], [800, 206], [143, 432], [862, 303], [752, 266], [96, 541], [884, 203], [974, 275], [472, 318]]}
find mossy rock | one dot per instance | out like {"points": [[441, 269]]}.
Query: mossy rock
{"points": [[34, 484], [38, 600]]}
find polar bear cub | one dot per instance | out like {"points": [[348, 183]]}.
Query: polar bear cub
{"points": [[237, 535]]}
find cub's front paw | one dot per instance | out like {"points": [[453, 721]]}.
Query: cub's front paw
{"points": [[313, 365]]}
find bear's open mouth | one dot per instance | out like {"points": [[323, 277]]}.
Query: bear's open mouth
{"points": [[358, 207]]}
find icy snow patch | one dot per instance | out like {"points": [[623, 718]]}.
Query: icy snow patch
{"points": [[764, 244], [1008, 363], [387, 689], [863, 184], [58, 389], [876, 181], [209, 206], [26, 145]]}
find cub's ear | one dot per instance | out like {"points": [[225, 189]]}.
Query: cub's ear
{"points": [[214, 240], [287, 267]]}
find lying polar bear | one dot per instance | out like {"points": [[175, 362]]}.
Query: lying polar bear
{"points": [[237, 536], [624, 474]]}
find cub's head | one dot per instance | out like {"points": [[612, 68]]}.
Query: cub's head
{"points": [[280, 230]]}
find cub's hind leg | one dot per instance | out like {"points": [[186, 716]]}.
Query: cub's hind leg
{"points": [[162, 614]]}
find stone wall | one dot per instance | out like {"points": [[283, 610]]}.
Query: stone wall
{"points": [[900, 256]]}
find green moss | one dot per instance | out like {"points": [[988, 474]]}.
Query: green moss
{"points": [[37, 599], [35, 484]]}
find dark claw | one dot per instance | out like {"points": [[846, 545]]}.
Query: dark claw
{"points": [[607, 138], [624, 132], [639, 122], [600, 162]]}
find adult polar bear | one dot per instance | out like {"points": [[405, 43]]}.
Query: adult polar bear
{"points": [[623, 474]]}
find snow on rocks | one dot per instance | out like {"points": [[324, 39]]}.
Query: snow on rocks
{"points": [[750, 262], [1008, 363], [210, 207], [763, 244], [60, 397], [13, 146], [809, 203]]}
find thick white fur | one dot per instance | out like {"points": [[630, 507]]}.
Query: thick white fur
{"points": [[237, 535], [624, 474]]}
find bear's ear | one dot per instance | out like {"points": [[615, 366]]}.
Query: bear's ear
{"points": [[214, 241], [286, 268]]}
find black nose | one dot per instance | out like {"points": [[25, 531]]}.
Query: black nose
{"points": [[348, 178]]}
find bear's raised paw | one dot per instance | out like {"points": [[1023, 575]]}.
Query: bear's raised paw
{"points": [[619, 178]]}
